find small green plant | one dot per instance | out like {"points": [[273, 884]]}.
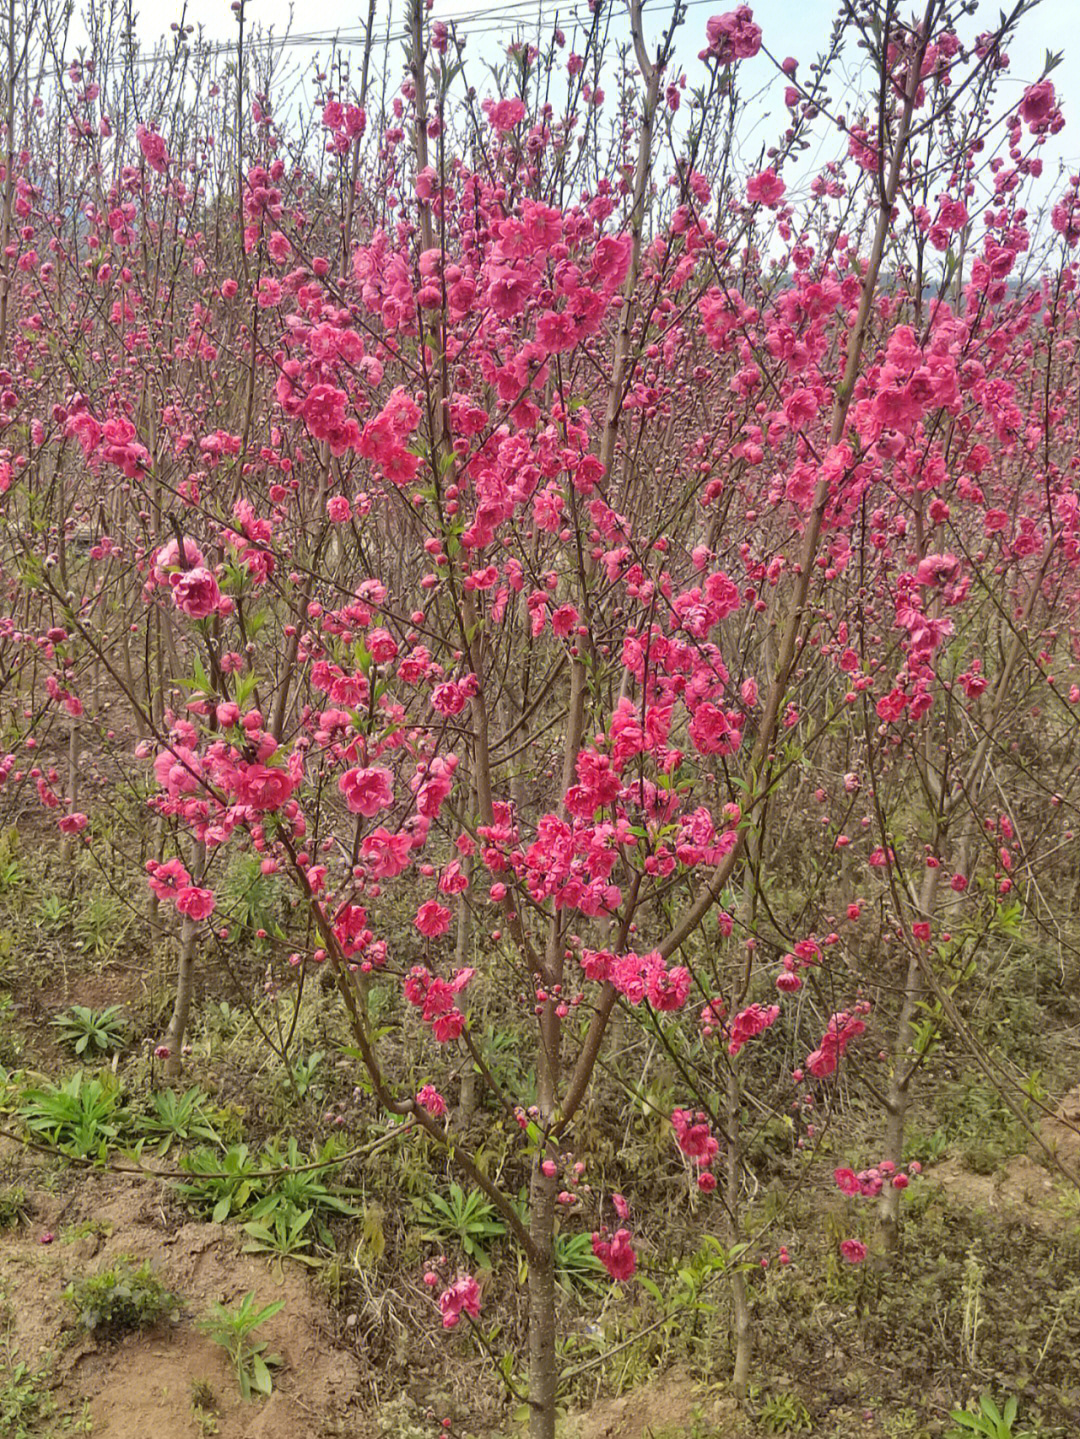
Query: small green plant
{"points": [[222, 1183], [279, 1182], [120, 1299], [101, 1031], [80, 1117], [576, 1266], [232, 1329], [13, 1208], [11, 1044], [101, 925], [784, 1414], [988, 1421], [11, 872], [25, 1401], [52, 913], [204, 1407], [298, 1188], [468, 1218], [178, 1117], [303, 1072], [281, 1235]]}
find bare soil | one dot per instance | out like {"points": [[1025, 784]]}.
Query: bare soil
{"points": [[142, 1385]]}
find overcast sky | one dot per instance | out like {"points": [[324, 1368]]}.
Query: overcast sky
{"points": [[790, 27]]}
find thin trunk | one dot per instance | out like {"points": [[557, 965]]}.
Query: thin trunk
{"points": [[904, 1063], [740, 1299], [185, 974]]}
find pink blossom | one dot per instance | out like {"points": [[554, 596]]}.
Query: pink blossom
{"points": [[617, 1254], [195, 592], [430, 1099], [765, 189], [196, 903], [168, 879], [853, 1250], [749, 1022], [1039, 104], [463, 1296], [153, 148], [367, 791], [433, 919], [733, 36]]}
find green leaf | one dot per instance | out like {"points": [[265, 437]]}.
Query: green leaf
{"points": [[261, 1375]]}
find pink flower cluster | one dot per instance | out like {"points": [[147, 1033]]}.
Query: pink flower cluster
{"points": [[461, 1297], [616, 1254]]}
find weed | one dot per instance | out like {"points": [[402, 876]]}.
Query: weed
{"points": [[80, 1117], [232, 1329], [784, 1414], [102, 1031], [11, 1046], [52, 913], [576, 1266], [282, 1235], [236, 1185], [13, 1207], [468, 1218], [25, 1401], [987, 1422], [204, 1407], [120, 1299], [101, 925], [303, 1072], [221, 1182], [181, 1117]]}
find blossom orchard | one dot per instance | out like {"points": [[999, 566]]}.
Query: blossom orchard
{"points": [[647, 578]]}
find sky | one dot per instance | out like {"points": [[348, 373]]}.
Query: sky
{"points": [[789, 27]]}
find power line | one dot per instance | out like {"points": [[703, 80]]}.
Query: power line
{"points": [[497, 20]]}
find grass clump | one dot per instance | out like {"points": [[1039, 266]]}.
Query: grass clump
{"points": [[120, 1299]]}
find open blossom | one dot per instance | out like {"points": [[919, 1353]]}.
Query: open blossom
{"points": [[72, 823], [433, 919], [196, 903], [367, 791], [749, 1022], [767, 189], [733, 36], [153, 148], [167, 879], [386, 854], [167, 558], [617, 1254], [463, 1296], [505, 115], [195, 592], [853, 1250], [1039, 105]]}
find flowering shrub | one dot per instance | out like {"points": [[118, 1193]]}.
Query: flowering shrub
{"points": [[566, 554]]}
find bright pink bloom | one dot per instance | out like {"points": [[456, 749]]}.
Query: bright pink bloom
{"points": [[463, 1296], [197, 904], [195, 592], [765, 189], [617, 1254], [367, 791], [433, 919], [430, 1099]]}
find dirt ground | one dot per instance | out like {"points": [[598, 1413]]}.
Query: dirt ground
{"points": [[141, 1386]]}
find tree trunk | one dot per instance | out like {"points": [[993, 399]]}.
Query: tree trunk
{"points": [[542, 1374], [903, 1069], [174, 1035]]}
